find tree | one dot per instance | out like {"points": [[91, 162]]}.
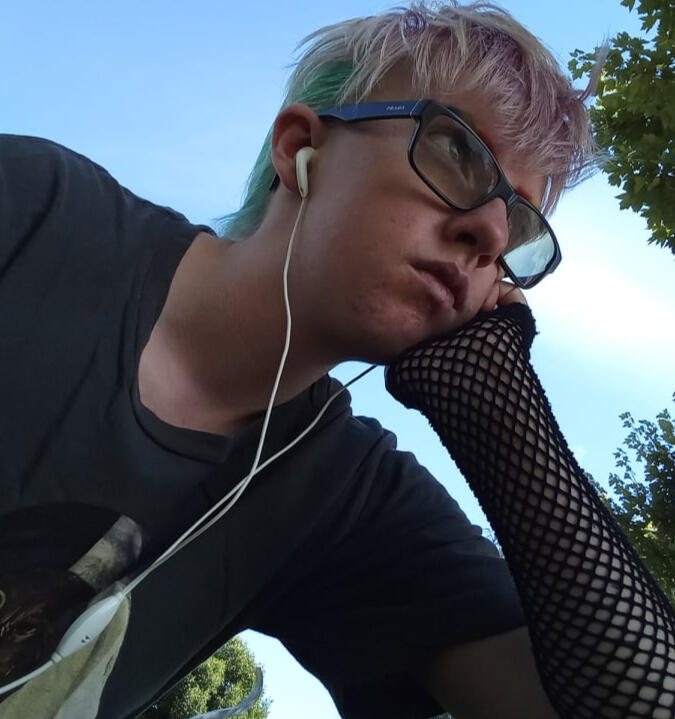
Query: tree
{"points": [[633, 118], [645, 509], [223, 680]]}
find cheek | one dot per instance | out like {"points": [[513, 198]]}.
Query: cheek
{"points": [[490, 299], [484, 291], [375, 308]]}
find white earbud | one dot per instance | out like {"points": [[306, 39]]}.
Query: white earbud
{"points": [[302, 158]]}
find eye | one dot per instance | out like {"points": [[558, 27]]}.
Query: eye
{"points": [[452, 146]]}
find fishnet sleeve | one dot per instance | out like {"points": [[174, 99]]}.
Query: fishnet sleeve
{"points": [[602, 632]]}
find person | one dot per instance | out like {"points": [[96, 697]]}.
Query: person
{"points": [[153, 371]]}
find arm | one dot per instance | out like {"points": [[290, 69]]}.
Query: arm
{"points": [[488, 678], [603, 634]]}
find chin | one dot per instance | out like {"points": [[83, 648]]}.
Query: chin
{"points": [[384, 334], [386, 347]]}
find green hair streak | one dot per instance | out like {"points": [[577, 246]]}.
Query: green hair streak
{"points": [[323, 88]]}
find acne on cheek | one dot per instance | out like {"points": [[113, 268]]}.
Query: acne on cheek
{"points": [[385, 316]]}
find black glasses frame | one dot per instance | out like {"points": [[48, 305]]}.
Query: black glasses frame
{"points": [[424, 111]]}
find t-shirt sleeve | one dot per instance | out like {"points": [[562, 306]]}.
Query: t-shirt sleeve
{"points": [[411, 576], [27, 174], [40, 179]]}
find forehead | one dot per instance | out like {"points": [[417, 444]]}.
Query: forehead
{"points": [[475, 107]]}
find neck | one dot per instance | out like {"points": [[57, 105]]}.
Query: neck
{"points": [[213, 355]]}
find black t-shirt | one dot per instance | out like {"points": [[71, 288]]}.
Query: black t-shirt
{"points": [[345, 549]]}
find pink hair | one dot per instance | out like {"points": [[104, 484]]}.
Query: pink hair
{"points": [[449, 47]]}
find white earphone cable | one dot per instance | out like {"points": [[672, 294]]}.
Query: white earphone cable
{"points": [[26, 678], [238, 489], [97, 616], [196, 530], [191, 533]]}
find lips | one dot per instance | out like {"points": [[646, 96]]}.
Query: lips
{"points": [[450, 277]]}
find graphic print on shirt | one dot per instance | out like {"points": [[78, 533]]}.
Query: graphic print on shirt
{"points": [[53, 561]]}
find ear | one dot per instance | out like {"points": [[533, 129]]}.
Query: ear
{"points": [[296, 126]]}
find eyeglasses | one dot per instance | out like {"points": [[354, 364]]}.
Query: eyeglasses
{"points": [[459, 167]]}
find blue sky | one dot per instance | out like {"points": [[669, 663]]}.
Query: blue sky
{"points": [[174, 99]]}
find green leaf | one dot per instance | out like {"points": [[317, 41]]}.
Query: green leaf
{"points": [[645, 507], [633, 117]]}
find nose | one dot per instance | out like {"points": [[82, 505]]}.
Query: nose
{"points": [[481, 233]]}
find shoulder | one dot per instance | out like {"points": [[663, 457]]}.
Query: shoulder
{"points": [[34, 162], [40, 179], [363, 443], [26, 146], [54, 200], [38, 172], [388, 481]]}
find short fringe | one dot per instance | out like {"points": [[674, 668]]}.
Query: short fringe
{"points": [[449, 47]]}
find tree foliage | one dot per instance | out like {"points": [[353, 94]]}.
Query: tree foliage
{"points": [[634, 116], [223, 680], [645, 507]]}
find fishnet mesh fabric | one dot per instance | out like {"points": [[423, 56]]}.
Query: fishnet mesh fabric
{"points": [[602, 632]]}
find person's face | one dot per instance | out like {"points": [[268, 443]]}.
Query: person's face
{"points": [[390, 262]]}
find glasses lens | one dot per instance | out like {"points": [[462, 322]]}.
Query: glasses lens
{"points": [[455, 162], [531, 246]]}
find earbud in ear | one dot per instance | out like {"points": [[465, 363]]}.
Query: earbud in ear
{"points": [[302, 158]]}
